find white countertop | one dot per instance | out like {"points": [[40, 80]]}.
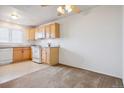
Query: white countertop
{"points": [[14, 45]]}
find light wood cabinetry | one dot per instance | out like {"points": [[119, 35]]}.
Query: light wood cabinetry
{"points": [[54, 30], [48, 31], [30, 34], [17, 54], [44, 32], [50, 55], [26, 54], [21, 54], [44, 55]]}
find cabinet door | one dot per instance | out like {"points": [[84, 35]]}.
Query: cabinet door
{"points": [[26, 34], [54, 56], [47, 31], [42, 30], [26, 53], [40, 33], [44, 55], [17, 54], [48, 56], [32, 34], [54, 28]]}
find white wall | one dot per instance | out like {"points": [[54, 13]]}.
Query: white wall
{"points": [[11, 25], [93, 40], [123, 47]]}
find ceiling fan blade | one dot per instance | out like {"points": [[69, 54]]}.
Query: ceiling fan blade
{"points": [[60, 14], [75, 9]]}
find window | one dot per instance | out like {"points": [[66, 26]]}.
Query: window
{"points": [[17, 36], [11, 35], [4, 35]]}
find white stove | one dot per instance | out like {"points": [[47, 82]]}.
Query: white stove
{"points": [[36, 53]]}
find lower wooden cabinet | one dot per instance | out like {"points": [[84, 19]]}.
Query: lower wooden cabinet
{"points": [[44, 55], [26, 54], [17, 54], [50, 55], [21, 54]]}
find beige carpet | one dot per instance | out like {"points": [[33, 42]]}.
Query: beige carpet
{"points": [[63, 77]]}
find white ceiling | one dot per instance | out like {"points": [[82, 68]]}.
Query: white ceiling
{"points": [[32, 15]]}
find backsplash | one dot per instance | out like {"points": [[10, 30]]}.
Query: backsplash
{"points": [[45, 42], [42, 43]]}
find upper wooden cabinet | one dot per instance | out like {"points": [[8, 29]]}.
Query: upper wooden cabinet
{"points": [[48, 31], [54, 30], [43, 32], [40, 32], [30, 34]]}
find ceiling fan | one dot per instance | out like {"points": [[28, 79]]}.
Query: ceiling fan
{"points": [[66, 9]]}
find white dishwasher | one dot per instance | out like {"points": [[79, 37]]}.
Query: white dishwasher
{"points": [[6, 55], [36, 54]]}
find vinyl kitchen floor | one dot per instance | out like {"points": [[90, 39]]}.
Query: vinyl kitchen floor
{"points": [[16, 70]]}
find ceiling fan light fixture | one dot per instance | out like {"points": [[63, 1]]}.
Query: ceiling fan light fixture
{"points": [[68, 8], [14, 16], [60, 10]]}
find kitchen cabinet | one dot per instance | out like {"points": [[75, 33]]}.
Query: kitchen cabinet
{"points": [[17, 54], [43, 32], [44, 55], [26, 54], [54, 30], [50, 55], [47, 31], [40, 33], [30, 34], [21, 54]]}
